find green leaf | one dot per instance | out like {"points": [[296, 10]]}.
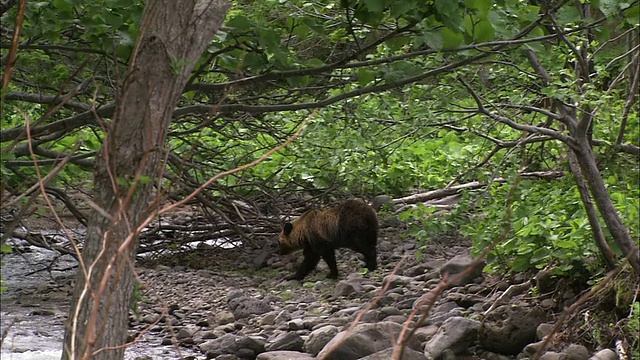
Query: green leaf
{"points": [[240, 23], [536, 46], [529, 14], [434, 40], [5, 249], [450, 13], [565, 244], [484, 31], [450, 38], [445, 7], [540, 254], [482, 6], [610, 8], [397, 43], [269, 39], [298, 81], [254, 60], [569, 14], [632, 14], [375, 5], [521, 264], [314, 62], [399, 8], [373, 18], [113, 19], [313, 25], [63, 5], [365, 76]]}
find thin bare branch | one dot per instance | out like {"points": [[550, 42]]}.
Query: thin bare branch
{"points": [[502, 119]]}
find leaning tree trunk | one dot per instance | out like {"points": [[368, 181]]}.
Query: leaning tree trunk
{"points": [[173, 35], [587, 160], [580, 146]]}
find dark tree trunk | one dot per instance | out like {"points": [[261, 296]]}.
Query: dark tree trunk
{"points": [[607, 255], [580, 150], [587, 160], [173, 35]]}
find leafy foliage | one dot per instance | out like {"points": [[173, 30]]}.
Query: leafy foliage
{"points": [[391, 81], [550, 227]]}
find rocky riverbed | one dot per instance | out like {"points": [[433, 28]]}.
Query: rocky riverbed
{"points": [[230, 304]]}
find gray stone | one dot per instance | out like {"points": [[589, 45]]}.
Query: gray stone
{"points": [[235, 294], [151, 318], [371, 316], [282, 317], [390, 310], [42, 312], [548, 303], [348, 311], [416, 270], [187, 332], [508, 328], [262, 259], [532, 348], [396, 280], [286, 341], [363, 340], [605, 354], [546, 281], [243, 307], [543, 330], [456, 334], [319, 338], [296, 324], [423, 301], [552, 355], [487, 355], [224, 317], [241, 346], [268, 319], [407, 303], [284, 355], [382, 202], [576, 352], [228, 357], [457, 265], [443, 312], [426, 332], [448, 354], [400, 319], [407, 354], [347, 287]]}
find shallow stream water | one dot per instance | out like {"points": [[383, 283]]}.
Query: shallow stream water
{"points": [[35, 306]]}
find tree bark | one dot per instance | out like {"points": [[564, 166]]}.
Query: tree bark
{"points": [[173, 35], [580, 150], [608, 256], [587, 160]]}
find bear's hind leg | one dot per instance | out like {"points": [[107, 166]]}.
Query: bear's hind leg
{"points": [[329, 256], [370, 259]]}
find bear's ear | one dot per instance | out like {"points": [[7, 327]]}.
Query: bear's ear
{"points": [[287, 228]]}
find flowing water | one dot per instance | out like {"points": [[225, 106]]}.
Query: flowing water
{"points": [[35, 305]]}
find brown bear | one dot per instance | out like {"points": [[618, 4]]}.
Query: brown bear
{"points": [[353, 225]]}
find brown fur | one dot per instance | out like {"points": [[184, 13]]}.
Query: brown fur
{"points": [[353, 224]]}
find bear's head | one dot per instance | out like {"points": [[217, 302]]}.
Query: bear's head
{"points": [[286, 242]]}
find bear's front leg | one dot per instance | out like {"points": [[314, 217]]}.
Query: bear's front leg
{"points": [[311, 259]]}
